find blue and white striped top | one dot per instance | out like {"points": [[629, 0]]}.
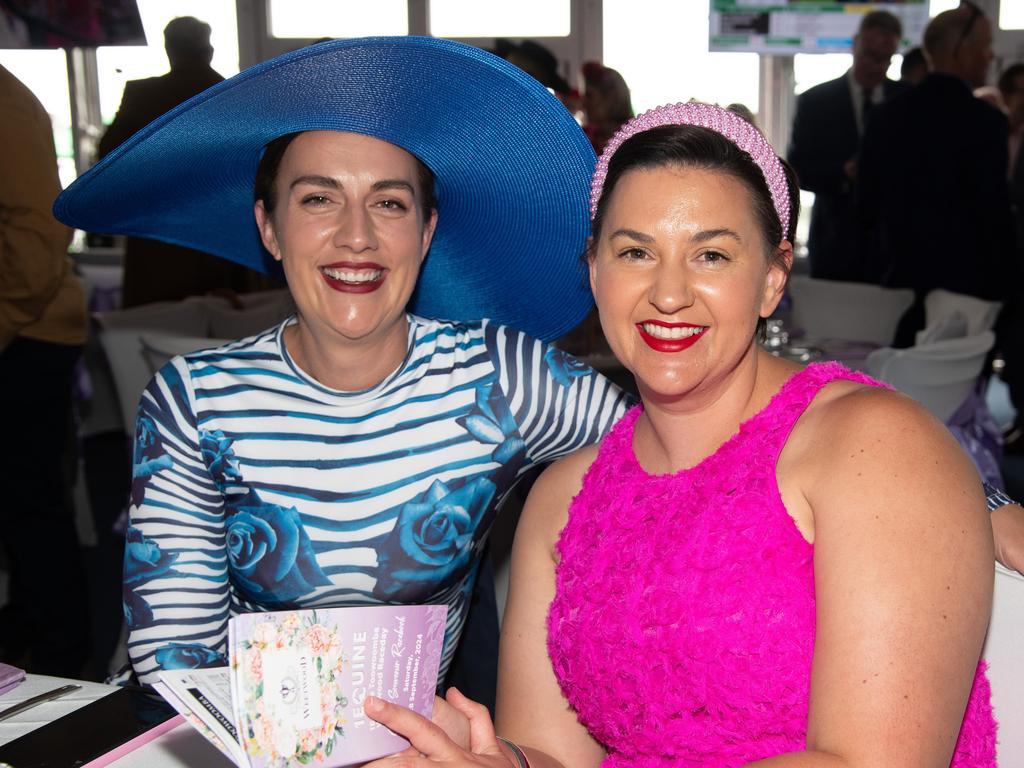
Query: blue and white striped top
{"points": [[257, 488]]}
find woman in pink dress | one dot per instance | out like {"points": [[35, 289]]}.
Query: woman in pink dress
{"points": [[762, 564]]}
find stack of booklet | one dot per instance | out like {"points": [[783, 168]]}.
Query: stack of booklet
{"points": [[293, 693]]}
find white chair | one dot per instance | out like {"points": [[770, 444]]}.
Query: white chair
{"points": [[831, 309], [159, 348], [1003, 652], [939, 375], [980, 315], [120, 334]]}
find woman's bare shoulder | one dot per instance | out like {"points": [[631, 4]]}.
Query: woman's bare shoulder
{"points": [[547, 507], [860, 441]]}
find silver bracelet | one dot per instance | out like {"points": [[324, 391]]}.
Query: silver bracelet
{"points": [[520, 755]]}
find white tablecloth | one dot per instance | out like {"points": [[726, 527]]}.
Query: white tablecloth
{"points": [[41, 714], [181, 747]]}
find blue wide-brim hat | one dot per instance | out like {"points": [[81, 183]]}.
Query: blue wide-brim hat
{"points": [[512, 170]]}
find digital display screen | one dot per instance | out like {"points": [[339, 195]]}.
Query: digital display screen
{"points": [[802, 26]]}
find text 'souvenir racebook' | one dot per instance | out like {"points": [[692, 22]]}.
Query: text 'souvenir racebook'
{"points": [[293, 693]]}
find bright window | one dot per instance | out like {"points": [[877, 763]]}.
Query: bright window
{"points": [[520, 18], [935, 7], [1011, 14], [315, 19], [45, 73], [661, 49], [118, 64]]}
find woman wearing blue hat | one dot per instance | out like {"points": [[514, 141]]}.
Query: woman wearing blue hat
{"points": [[357, 453], [424, 198]]}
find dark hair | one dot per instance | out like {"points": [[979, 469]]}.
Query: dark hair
{"points": [[1008, 78], [882, 21], [270, 164], [610, 84], [186, 38], [912, 59], [692, 146]]}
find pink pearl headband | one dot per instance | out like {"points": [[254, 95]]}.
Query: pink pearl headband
{"points": [[729, 124]]}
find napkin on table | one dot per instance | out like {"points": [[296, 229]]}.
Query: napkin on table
{"points": [[10, 677]]}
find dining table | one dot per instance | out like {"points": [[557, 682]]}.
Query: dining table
{"points": [[173, 744]]}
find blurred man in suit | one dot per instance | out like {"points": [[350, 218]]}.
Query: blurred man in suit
{"points": [[1011, 86], [147, 276], [932, 175], [827, 129], [187, 42]]}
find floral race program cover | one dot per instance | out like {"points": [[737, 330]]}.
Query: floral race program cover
{"points": [[298, 680]]}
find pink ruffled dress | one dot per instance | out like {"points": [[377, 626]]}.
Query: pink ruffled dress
{"points": [[683, 624]]}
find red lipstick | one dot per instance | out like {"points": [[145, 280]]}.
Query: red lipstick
{"points": [[669, 345], [363, 286]]}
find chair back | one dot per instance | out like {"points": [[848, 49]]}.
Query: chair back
{"points": [[979, 315], [940, 375], [1006, 664], [832, 309], [120, 334]]}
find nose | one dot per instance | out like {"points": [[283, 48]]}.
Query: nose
{"points": [[355, 230], [671, 288]]}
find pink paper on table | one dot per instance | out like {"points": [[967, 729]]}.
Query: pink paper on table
{"points": [[10, 677], [130, 746]]}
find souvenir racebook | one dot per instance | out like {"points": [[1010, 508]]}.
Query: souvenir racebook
{"points": [[293, 693]]}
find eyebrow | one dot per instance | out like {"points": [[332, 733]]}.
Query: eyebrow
{"points": [[710, 234], [327, 181], [701, 237], [632, 234]]}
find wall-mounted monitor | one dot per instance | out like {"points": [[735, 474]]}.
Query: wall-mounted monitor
{"points": [[69, 23], [802, 26]]}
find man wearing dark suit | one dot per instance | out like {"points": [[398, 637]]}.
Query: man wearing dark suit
{"points": [[933, 175], [826, 135], [1011, 86], [147, 277]]}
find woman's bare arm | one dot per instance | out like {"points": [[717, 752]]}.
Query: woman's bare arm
{"points": [[903, 582], [531, 710]]}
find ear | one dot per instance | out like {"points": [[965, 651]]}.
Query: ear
{"points": [[779, 266], [429, 226], [265, 224]]}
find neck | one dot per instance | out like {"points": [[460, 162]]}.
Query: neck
{"points": [[676, 433], [345, 364]]}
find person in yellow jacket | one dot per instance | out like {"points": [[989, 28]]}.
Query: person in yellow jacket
{"points": [[42, 331]]}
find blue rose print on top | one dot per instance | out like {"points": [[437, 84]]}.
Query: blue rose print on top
{"points": [[188, 656], [433, 539], [271, 555], [490, 421], [564, 367], [149, 456], [136, 610], [143, 560], [219, 457]]}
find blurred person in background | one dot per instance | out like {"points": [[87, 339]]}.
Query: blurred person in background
{"points": [[189, 52], [932, 184], [914, 68], [42, 332], [606, 103], [827, 130]]}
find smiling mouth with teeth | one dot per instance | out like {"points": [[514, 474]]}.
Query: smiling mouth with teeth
{"points": [[353, 276], [673, 333]]}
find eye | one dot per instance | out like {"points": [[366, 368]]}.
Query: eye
{"points": [[391, 204], [315, 200], [713, 257], [632, 254]]}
